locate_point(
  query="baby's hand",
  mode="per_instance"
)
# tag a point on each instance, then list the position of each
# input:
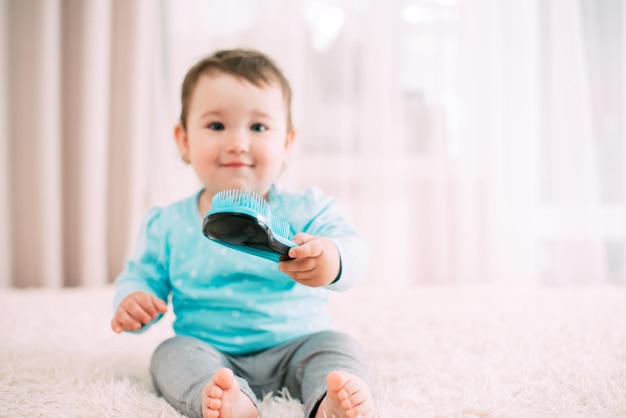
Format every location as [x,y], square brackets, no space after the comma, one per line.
[315,261]
[136,310]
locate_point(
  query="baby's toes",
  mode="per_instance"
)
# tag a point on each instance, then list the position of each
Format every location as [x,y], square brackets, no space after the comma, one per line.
[356,391]
[215,392]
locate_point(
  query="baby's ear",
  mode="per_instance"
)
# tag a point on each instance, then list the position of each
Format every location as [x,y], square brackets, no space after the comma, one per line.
[291,137]
[182,142]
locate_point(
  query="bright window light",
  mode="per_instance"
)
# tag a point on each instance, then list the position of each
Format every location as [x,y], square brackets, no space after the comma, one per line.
[416,14]
[325,21]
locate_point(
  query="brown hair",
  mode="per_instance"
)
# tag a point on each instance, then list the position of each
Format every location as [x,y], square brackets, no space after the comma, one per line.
[248,64]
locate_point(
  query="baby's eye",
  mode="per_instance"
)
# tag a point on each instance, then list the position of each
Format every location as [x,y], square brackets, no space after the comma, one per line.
[216,126]
[258,127]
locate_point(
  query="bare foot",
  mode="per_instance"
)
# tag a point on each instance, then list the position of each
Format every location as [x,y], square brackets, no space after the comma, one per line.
[222,398]
[347,396]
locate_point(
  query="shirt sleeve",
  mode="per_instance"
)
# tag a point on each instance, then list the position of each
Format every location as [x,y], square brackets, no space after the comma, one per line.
[353,249]
[146,269]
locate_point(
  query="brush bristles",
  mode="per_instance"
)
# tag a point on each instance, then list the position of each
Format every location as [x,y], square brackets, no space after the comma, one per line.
[228,199]
[280,227]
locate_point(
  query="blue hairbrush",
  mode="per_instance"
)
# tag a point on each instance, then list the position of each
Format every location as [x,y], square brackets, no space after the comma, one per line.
[242,220]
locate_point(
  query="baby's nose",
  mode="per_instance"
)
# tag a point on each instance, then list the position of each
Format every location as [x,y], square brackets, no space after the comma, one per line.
[238,142]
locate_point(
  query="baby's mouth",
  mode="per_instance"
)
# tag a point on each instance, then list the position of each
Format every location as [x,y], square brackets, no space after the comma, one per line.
[236,164]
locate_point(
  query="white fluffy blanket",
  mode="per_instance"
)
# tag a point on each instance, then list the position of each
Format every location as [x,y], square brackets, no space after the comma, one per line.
[434,352]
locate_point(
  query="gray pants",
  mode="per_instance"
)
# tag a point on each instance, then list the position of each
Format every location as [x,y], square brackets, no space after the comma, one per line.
[182,366]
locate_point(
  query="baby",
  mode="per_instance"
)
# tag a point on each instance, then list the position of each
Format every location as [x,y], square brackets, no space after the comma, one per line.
[245,326]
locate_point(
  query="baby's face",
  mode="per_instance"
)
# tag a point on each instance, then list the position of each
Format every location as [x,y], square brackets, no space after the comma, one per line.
[237,133]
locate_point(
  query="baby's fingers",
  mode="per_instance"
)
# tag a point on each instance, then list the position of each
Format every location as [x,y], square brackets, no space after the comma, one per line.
[116,326]
[160,306]
[146,307]
[154,306]
[124,321]
[136,310]
[308,248]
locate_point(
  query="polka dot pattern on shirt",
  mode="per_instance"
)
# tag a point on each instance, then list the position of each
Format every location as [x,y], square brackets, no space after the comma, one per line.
[237,302]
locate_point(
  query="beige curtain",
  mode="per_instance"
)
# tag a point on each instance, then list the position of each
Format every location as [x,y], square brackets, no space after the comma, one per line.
[75,121]
[471,141]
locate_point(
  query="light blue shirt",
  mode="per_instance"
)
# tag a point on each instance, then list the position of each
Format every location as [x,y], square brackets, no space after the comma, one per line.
[237,302]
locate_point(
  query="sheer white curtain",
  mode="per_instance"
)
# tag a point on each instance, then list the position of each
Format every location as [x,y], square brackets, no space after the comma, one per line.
[472,141]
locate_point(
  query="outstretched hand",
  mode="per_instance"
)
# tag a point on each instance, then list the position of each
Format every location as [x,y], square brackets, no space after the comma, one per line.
[136,310]
[315,261]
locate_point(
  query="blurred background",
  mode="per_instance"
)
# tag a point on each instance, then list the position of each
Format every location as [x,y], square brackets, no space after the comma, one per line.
[471,141]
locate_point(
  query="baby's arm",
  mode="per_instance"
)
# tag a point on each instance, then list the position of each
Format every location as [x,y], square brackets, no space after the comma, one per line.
[315,261]
[137,310]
